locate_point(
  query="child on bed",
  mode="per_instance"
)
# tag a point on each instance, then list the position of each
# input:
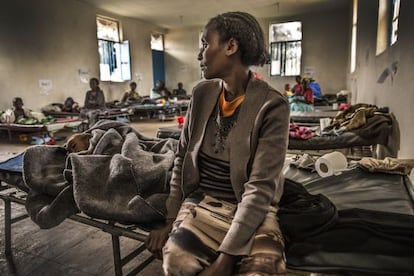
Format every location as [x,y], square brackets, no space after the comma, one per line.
[16,113]
[18,109]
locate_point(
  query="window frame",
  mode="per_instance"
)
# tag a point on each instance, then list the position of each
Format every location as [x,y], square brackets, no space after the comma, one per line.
[108,19]
[387,25]
[279,50]
[121,59]
[282,54]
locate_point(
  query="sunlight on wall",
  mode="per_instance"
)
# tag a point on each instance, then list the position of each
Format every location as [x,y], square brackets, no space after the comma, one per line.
[354,35]
[382,31]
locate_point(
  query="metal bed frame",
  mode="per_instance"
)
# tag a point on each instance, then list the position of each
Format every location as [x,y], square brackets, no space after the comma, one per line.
[11,194]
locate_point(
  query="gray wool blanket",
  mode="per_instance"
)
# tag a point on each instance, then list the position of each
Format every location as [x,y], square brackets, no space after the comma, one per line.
[122,177]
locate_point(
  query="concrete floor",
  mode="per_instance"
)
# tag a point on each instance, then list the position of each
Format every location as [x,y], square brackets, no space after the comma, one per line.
[71,248]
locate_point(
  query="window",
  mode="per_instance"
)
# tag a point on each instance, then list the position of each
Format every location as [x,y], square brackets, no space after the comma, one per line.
[387,31]
[395,16]
[285,48]
[354,35]
[114,56]
[108,29]
[157,42]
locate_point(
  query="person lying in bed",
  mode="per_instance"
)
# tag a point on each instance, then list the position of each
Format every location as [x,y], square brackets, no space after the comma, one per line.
[226,181]
[70,105]
[78,143]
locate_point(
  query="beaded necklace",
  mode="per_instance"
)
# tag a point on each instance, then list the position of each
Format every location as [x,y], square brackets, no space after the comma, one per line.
[226,118]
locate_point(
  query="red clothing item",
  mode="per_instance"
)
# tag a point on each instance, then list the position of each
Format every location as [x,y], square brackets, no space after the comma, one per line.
[308,95]
[297,89]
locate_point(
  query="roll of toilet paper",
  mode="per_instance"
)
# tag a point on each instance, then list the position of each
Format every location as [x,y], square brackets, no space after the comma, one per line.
[330,164]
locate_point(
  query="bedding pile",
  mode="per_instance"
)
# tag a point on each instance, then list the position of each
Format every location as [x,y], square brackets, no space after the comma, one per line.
[123,176]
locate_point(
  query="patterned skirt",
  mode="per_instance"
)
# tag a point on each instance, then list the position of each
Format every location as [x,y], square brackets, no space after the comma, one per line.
[201,226]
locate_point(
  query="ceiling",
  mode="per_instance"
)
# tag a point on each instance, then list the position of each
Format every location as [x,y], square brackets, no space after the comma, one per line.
[183,13]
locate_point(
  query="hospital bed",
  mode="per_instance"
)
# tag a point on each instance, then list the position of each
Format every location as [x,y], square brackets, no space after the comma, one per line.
[311,117]
[60,114]
[356,190]
[355,193]
[375,224]
[14,191]
[157,111]
[104,114]
[107,114]
[42,129]
[347,140]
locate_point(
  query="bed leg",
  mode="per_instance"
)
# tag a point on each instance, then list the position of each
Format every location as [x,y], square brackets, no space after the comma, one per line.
[117,255]
[7,227]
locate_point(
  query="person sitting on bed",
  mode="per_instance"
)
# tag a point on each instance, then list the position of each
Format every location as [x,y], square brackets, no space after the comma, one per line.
[297,88]
[288,91]
[94,102]
[316,88]
[18,114]
[307,91]
[226,182]
[160,91]
[179,92]
[95,98]
[131,96]
[302,99]
[19,111]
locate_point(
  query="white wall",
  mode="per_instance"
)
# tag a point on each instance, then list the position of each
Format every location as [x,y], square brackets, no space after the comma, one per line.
[181,64]
[396,91]
[325,48]
[46,39]
[52,40]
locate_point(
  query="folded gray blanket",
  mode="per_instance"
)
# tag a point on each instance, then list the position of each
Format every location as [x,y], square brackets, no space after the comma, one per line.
[123,177]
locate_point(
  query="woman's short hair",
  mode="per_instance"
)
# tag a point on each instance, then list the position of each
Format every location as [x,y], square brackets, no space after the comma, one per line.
[244,28]
[95,80]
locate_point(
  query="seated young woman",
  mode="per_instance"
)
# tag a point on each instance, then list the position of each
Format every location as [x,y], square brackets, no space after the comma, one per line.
[227,180]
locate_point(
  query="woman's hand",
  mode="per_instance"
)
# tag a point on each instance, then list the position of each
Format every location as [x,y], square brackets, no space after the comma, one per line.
[157,238]
[223,266]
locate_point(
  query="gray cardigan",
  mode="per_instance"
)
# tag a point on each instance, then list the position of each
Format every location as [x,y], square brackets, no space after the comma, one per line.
[257,153]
